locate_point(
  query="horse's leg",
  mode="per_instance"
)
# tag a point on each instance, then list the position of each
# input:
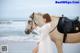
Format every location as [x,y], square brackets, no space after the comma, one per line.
[58,39]
[79,27]
[59,43]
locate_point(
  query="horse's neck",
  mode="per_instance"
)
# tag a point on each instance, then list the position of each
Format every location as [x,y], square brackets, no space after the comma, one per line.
[55,19]
[39,21]
[54,22]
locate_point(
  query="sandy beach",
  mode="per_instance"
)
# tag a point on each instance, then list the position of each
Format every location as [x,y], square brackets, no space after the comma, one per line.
[23,44]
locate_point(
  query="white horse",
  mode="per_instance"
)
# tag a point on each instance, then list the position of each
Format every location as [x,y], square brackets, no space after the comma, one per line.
[55,35]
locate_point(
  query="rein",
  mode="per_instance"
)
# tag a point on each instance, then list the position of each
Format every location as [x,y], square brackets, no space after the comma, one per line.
[53,29]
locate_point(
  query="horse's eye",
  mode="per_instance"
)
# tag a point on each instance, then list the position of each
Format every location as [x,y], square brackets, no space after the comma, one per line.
[29,21]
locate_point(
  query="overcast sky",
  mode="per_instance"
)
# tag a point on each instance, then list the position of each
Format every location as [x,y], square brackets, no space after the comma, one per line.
[21,9]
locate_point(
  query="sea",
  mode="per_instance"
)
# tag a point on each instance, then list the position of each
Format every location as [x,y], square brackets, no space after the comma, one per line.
[14,40]
[10,28]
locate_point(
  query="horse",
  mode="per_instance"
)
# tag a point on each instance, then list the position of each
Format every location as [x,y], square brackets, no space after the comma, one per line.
[56,36]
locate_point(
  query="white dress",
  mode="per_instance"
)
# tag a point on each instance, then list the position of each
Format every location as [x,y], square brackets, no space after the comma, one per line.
[44,40]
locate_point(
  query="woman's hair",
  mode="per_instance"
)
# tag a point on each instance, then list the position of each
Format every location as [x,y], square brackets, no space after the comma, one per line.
[47,17]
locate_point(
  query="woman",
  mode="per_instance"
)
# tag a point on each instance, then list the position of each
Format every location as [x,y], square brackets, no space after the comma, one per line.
[44,42]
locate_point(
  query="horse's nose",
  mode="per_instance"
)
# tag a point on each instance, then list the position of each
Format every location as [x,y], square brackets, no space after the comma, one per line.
[27,32]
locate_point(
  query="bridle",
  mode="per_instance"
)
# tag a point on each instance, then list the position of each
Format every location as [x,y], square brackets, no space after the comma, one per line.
[32,17]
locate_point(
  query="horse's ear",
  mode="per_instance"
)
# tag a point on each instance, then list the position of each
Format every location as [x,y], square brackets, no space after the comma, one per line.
[33,13]
[47,17]
[32,16]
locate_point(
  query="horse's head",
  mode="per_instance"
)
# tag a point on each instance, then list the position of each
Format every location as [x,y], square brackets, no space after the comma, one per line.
[37,19]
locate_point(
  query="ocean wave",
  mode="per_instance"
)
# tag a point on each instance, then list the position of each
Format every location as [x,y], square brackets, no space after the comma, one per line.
[19,38]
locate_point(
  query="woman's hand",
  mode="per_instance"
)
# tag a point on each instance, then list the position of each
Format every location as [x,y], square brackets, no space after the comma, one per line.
[35,50]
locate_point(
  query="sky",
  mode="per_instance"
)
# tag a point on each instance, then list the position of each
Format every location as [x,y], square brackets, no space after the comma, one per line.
[22,9]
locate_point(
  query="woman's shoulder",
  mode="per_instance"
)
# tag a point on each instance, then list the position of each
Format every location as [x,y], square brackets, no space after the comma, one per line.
[46,26]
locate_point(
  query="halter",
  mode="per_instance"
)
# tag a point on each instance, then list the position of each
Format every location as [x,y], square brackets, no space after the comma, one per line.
[34,21]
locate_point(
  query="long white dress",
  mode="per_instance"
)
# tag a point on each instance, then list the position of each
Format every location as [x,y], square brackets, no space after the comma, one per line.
[44,40]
